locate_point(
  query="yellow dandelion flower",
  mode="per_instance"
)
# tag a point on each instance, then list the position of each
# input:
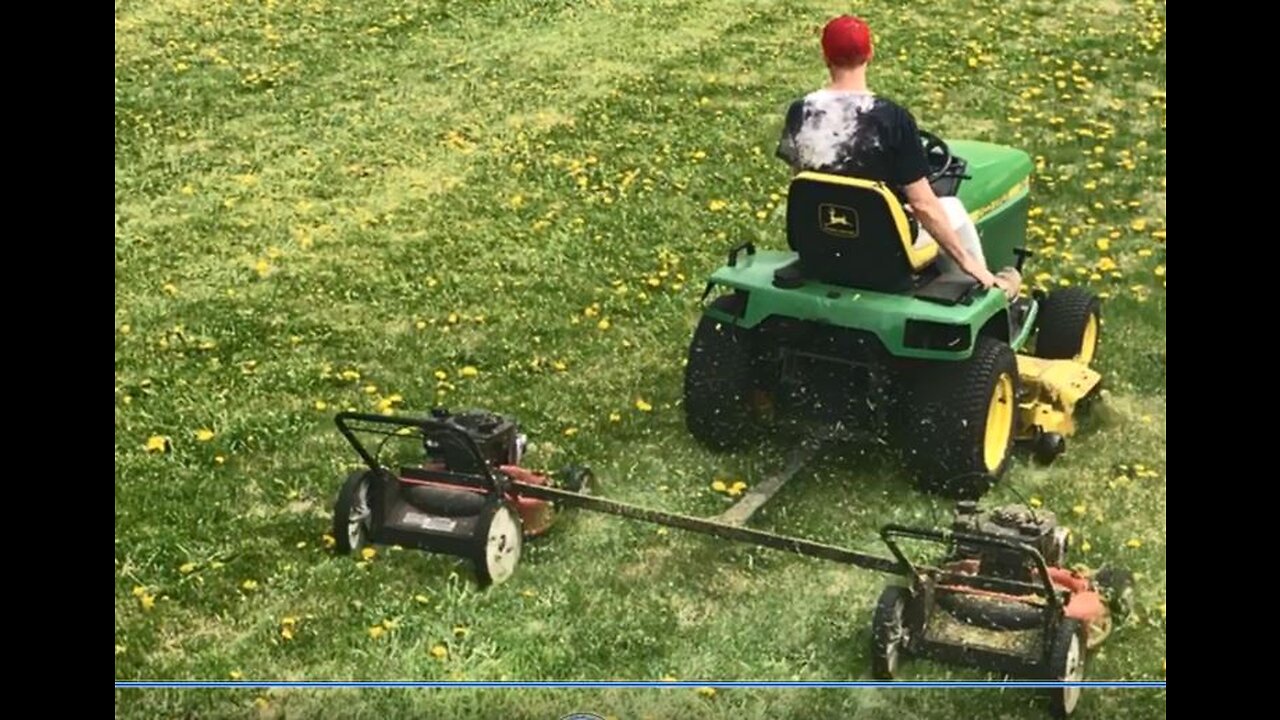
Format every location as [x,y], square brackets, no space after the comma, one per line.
[615,417]
[204,435]
[439,652]
[187,568]
[643,406]
[469,372]
[368,553]
[421,599]
[707,692]
[235,675]
[1134,543]
[249,585]
[321,405]
[377,631]
[328,541]
[157,444]
[717,205]
[1035,502]
[603,324]
[570,431]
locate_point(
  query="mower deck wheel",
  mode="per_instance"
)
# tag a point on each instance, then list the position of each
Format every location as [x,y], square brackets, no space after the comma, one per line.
[351,513]
[1066,663]
[500,541]
[889,632]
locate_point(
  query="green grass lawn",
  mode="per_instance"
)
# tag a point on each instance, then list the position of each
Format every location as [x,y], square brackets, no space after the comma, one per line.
[512,204]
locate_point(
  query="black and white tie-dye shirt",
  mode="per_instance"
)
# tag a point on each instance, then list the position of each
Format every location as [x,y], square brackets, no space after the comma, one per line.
[856,134]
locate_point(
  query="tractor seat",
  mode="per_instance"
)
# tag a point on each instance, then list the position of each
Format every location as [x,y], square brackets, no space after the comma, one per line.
[853,233]
[445,501]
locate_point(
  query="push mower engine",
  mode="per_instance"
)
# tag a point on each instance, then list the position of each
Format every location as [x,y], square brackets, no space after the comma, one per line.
[1016,524]
[497,438]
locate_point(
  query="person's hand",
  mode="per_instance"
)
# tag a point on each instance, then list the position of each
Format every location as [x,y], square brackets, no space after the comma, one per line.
[984,278]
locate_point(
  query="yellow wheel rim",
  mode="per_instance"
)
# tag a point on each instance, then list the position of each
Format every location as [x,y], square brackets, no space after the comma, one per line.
[1089,342]
[999,423]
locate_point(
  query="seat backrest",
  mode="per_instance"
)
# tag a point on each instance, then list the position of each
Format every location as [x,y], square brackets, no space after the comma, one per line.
[854,233]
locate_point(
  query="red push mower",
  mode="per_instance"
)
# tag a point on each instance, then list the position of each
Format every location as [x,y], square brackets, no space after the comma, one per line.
[997,599]
[459,501]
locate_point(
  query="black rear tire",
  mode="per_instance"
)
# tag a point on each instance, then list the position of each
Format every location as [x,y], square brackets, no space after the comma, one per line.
[718,384]
[952,408]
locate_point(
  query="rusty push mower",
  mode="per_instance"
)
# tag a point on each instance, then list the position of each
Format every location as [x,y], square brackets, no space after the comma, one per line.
[998,596]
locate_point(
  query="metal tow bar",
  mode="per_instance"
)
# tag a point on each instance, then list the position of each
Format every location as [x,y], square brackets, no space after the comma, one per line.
[711,527]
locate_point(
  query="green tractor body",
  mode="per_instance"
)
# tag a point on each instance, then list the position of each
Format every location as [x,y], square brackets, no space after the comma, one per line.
[856,327]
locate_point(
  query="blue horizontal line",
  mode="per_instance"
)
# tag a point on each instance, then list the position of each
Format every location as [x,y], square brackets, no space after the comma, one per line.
[1041,684]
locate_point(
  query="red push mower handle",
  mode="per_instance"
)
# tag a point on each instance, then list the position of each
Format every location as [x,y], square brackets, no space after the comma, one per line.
[350,424]
[1043,589]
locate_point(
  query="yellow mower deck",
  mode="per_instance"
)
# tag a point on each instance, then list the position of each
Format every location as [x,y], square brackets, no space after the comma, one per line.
[1052,388]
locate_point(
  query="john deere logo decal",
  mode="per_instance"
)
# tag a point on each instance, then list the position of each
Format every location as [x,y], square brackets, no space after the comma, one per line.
[838,220]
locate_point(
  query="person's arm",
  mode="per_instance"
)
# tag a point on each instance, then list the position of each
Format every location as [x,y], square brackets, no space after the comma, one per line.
[911,173]
[786,150]
[929,211]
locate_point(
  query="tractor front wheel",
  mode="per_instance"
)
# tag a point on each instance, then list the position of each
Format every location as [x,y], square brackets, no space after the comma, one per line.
[1069,325]
[718,385]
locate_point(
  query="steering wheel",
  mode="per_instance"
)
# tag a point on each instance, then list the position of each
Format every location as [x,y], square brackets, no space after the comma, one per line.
[938,155]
